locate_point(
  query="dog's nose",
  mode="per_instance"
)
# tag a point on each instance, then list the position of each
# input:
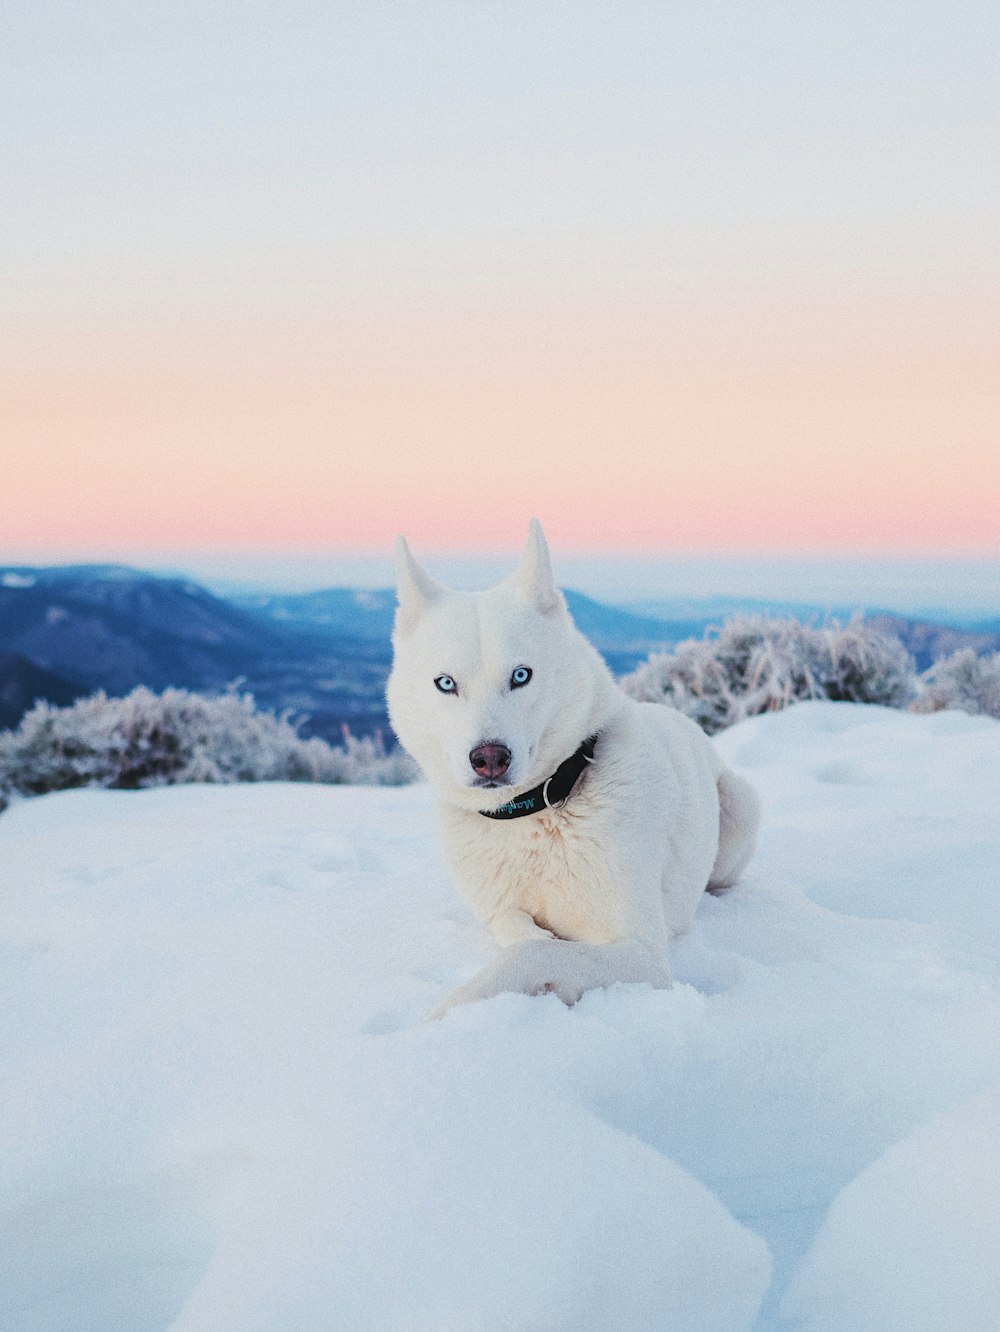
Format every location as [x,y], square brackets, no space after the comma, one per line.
[490,760]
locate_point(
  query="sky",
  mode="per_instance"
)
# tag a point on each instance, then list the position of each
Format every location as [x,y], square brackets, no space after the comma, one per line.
[714,281]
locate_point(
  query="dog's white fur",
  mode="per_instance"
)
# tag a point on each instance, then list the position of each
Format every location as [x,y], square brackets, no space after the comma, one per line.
[586,895]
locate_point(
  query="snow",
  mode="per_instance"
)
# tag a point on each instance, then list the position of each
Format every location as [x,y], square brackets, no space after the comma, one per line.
[914,1240]
[222,1110]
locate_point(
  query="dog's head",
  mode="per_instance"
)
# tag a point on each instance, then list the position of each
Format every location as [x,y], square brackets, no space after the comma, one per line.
[490,691]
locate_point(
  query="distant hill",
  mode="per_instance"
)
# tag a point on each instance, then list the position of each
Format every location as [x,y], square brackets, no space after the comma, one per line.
[359,613]
[716,610]
[22,684]
[323,656]
[991,627]
[367,615]
[928,642]
[616,627]
[111,628]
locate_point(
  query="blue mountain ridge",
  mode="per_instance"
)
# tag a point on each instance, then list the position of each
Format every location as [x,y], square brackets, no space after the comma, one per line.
[322,656]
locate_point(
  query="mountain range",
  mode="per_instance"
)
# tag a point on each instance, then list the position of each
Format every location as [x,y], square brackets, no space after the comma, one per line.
[322,656]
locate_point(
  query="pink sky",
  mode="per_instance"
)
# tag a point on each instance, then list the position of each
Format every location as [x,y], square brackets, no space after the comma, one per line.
[686,277]
[818,433]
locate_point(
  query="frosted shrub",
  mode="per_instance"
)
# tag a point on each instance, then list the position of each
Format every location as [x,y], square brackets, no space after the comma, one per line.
[148,739]
[756,664]
[963,681]
[363,761]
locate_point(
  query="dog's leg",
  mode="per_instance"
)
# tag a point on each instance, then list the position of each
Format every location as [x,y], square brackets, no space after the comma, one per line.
[562,967]
[739,817]
[513,926]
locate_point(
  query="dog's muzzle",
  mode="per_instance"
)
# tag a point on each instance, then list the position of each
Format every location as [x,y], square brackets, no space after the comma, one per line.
[490,761]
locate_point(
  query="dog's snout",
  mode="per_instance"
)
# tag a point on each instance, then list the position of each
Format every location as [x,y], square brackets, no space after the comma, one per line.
[490,760]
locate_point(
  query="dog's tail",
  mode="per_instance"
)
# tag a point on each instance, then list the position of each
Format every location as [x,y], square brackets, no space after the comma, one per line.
[739,819]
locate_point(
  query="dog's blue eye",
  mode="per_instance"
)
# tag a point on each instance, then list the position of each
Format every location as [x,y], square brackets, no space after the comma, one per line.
[521,676]
[446,684]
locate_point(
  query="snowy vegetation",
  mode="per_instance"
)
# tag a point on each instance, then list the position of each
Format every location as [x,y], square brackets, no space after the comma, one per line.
[148,739]
[963,681]
[755,664]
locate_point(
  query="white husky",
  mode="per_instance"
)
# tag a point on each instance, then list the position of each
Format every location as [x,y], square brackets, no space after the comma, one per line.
[583,827]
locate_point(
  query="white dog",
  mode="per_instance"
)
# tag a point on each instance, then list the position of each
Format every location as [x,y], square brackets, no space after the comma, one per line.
[583,827]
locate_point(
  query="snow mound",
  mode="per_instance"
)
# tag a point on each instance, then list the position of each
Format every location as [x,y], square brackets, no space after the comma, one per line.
[913,1244]
[474,1196]
[221,1109]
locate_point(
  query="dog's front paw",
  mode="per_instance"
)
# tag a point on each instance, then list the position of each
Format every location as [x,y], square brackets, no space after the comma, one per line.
[569,991]
[486,985]
[534,966]
[564,968]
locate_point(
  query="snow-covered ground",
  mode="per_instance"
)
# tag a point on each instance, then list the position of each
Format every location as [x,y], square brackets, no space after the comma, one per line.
[221,1109]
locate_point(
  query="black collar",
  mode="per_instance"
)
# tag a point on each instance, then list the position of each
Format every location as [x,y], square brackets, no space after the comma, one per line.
[553,792]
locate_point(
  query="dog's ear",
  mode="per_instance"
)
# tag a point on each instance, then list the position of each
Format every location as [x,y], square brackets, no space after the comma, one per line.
[533,576]
[415,588]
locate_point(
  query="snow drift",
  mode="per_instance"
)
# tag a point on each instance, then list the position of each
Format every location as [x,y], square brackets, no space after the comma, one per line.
[221,1108]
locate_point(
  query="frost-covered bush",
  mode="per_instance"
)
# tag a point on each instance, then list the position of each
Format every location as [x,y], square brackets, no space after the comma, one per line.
[963,681]
[757,664]
[147,739]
